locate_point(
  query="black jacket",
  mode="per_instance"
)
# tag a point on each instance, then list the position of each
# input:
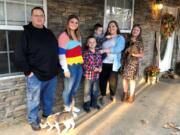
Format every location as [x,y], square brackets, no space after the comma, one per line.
[37,52]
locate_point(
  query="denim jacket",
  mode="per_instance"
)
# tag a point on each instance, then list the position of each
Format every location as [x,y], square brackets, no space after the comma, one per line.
[117,49]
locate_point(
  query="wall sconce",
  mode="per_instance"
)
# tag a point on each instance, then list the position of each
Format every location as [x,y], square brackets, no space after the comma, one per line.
[157,6]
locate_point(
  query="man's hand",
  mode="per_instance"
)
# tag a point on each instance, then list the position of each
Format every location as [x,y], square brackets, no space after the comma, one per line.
[31,74]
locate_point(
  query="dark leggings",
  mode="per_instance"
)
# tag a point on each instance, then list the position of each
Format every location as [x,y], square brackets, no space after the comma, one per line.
[108,75]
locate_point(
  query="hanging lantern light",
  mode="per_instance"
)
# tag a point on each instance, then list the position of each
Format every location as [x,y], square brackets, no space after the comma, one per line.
[159,4]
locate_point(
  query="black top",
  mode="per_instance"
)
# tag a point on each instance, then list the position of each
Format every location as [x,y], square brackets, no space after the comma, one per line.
[37,52]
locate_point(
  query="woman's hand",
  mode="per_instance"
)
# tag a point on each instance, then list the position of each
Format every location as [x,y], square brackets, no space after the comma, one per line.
[127,50]
[134,55]
[107,50]
[67,74]
[108,36]
[139,55]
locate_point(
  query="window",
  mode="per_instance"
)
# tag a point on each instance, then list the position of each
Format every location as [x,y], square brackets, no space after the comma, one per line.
[7,45]
[13,15]
[121,11]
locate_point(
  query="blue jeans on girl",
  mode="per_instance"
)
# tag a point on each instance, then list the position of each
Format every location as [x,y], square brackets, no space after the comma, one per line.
[71,84]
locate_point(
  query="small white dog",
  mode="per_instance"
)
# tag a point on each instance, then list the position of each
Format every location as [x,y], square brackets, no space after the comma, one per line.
[54,120]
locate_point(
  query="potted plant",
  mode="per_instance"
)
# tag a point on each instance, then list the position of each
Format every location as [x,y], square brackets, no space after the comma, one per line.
[152,73]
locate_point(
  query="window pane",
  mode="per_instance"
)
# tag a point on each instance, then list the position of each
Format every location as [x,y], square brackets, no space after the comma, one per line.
[28,11]
[14,38]
[12,62]
[4,64]
[15,14]
[121,11]
[127,14]
[2,19]
[3,41]
[17,0]
[35,1]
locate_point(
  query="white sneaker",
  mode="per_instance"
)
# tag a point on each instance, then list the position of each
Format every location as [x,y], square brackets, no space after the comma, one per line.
[76,110]
[67,108]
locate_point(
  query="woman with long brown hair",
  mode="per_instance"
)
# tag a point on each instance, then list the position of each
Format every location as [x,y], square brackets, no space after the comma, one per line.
[133,53]
[113,47]
[71,60]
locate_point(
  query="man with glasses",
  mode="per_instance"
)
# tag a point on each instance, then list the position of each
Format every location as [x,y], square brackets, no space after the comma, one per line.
[37,57]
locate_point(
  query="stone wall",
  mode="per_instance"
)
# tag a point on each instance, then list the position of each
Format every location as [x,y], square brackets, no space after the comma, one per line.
[12,100]
[90,12]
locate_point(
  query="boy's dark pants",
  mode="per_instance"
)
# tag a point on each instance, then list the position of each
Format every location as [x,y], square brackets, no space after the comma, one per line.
[91,93]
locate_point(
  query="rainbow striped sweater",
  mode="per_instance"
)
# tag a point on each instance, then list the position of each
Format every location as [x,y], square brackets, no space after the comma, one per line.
[69,51]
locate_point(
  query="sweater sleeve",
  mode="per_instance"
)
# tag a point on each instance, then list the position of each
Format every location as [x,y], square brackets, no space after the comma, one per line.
[119,47]
[62,41]
[21,53]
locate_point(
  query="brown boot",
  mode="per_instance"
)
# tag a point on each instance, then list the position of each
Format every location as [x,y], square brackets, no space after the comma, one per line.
[131,98]
[124,96]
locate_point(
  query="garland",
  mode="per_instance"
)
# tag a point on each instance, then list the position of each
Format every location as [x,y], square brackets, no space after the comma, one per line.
[168,24]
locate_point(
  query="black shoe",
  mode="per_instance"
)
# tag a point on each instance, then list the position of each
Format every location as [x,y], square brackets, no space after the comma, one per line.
[97,107]
[112,98]
[44,116]
[35,126]
[86,107]
[103,100]
[87,110]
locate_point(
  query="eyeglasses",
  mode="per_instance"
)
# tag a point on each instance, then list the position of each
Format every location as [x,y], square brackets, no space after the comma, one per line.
[40,16]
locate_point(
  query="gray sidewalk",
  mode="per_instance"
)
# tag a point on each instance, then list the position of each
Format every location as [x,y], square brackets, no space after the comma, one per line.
[156,106]
[153,108]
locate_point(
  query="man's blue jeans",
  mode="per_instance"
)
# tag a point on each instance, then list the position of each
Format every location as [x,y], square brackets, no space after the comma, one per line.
[91,91]
[71,84]
[40,93]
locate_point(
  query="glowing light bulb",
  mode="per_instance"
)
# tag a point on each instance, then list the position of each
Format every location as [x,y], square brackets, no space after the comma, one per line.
[160,6]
